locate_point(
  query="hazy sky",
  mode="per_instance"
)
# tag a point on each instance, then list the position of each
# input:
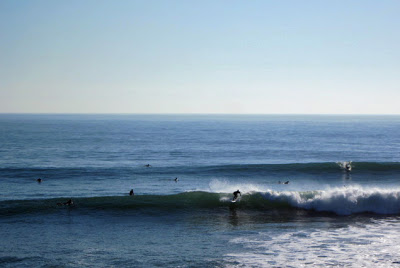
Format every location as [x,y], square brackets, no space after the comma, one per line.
[335,57]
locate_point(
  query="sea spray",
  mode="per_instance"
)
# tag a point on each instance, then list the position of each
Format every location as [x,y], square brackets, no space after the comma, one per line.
[342,201]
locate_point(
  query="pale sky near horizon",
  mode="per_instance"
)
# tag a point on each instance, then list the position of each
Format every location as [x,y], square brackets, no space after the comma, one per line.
[262,57]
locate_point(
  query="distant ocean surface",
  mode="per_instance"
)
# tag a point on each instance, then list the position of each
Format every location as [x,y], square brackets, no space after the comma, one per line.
[324,216]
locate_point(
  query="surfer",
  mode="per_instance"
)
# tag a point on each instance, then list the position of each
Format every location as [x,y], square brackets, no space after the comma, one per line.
[235,195]
[348,167]
[39,180]
[148,165]
[176,180]
[131,192]
[68,203]
[286,182]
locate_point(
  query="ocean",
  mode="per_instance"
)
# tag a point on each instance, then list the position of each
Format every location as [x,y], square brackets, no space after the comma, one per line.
[299,206]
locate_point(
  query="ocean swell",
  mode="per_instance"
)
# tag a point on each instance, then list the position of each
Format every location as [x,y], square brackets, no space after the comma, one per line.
[341,201]
[236,169]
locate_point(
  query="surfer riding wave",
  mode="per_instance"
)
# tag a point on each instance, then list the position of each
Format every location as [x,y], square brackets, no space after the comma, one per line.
[235,195]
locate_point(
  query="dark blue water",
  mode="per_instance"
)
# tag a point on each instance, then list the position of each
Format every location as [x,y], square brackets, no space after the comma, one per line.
[95,160]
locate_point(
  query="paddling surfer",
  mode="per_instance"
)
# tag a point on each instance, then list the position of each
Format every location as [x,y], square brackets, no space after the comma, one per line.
[68,203]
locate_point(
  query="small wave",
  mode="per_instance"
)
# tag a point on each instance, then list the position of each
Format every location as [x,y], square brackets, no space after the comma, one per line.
[307,167]
[238,169]
[342,201]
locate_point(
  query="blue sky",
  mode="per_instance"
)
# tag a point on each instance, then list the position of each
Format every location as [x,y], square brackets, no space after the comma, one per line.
[263,57]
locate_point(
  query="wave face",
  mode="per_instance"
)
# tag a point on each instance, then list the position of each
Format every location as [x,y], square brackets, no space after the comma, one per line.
[341,201]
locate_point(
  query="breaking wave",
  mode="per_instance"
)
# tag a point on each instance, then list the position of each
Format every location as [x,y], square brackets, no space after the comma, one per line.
[341,201]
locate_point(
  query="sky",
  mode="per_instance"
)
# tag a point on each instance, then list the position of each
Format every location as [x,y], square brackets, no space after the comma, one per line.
[223,57]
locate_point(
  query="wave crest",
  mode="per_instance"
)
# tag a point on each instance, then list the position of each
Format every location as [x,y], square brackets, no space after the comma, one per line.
[342,201]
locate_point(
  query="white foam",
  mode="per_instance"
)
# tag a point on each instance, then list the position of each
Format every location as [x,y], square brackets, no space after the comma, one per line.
[225,199]
[343,201]
[371,245]
[344,164]
[340,200]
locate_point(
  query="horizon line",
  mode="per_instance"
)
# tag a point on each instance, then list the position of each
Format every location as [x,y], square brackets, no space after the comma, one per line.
[240,114]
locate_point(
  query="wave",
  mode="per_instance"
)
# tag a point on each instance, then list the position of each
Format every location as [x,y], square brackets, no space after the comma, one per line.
[315,167]
[341,201]
[248,169]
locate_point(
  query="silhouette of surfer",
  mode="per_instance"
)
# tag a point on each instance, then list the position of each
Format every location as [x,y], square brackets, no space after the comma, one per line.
[131,192]
[148,165]
[39,180]
[68,203]
[286,182]
[176,180]
[235,195]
